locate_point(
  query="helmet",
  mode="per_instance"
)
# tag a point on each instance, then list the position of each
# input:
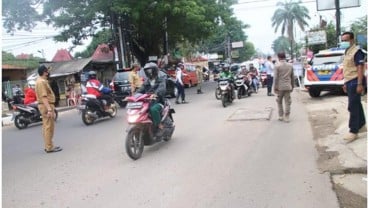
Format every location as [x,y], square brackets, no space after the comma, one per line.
[92,75]
[225,67]
[151,70]
[32,84]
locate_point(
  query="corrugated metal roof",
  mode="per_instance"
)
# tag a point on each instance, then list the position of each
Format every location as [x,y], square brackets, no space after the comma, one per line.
[66,67]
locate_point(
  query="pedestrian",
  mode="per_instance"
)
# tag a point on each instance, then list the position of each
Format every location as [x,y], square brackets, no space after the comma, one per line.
[269,69]
[283,86]
[46,106]
[353,66]
[199,72]
[180,84]
[134,79]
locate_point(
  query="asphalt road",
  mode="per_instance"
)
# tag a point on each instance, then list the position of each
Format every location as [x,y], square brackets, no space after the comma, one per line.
[239,156]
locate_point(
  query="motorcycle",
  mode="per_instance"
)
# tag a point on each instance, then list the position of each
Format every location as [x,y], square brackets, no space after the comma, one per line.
[263,79]
[255,83]
[141,130]
[92,109]
[23,115]
[225,89]
[241,86]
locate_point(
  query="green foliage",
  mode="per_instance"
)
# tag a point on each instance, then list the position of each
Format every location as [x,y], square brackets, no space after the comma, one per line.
[31,63]
[142,22]
[103,36]
[360,27]
[287,15]
[281,44]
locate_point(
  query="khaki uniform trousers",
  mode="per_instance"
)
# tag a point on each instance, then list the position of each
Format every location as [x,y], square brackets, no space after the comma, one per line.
[284,95]
[48,125]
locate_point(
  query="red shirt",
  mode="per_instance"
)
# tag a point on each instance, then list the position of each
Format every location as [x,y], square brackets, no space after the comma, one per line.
[94,87]
[30,96]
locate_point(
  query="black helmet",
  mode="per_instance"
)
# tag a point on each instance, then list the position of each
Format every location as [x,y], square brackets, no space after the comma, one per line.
[151,70]
[92,75]
[225,67]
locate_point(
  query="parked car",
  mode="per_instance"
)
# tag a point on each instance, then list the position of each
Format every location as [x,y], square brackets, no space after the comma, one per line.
[325,72]
[190,76]
[120,86]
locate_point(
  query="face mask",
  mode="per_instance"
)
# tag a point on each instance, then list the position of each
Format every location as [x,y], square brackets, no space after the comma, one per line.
[344,45]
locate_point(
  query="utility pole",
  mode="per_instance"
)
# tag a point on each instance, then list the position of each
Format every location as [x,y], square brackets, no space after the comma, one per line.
[338,14]
[166,42]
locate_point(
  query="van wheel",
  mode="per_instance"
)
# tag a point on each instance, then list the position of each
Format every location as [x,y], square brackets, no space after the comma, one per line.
[314,92]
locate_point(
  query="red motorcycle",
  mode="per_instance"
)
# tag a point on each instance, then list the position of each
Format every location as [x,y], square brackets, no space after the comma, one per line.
[141,130]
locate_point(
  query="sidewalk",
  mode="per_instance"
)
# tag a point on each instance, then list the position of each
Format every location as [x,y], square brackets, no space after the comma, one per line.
[346,162]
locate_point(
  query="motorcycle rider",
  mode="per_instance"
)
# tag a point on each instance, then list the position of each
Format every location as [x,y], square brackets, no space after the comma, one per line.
[157,86]
[225,73]
[30,94]
[30,97]
[95,87]
[254,75]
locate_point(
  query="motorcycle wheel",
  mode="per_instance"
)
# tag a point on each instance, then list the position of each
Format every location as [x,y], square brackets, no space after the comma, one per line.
[19,122]
[223,100]
[87,119]
[240,92]
[218,93]
[114,111]
[168,122]
[134,143]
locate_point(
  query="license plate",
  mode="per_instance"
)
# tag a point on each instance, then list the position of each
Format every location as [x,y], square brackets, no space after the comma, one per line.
[81,107]
[223,83]
[132,105]
[324,72]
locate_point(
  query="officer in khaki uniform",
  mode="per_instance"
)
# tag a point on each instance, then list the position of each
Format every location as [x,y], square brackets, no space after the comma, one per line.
[46,106]
[134,79]
[353,66]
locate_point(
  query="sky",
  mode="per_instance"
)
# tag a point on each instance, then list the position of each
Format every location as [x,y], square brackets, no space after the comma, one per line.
[256,13]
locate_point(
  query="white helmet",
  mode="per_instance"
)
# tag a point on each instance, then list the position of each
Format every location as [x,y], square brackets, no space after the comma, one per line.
[32,83]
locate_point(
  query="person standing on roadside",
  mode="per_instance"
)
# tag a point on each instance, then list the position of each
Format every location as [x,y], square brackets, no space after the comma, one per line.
[353,66]
[269,69]
[199,72]
[46,106]
[134,79]
[283,86]
[180,84]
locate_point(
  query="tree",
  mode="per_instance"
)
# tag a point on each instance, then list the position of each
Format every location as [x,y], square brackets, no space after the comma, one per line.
[103,36]
[31,63]
[359,27]
[287,15]
[142,23]
[281,44]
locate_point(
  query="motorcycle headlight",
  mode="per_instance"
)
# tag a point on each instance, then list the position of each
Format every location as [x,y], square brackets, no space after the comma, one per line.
[133,118]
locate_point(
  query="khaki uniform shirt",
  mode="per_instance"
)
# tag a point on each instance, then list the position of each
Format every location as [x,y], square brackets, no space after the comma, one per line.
[284,76]
[134,79]
[199,72]
[349,69]
[43,89]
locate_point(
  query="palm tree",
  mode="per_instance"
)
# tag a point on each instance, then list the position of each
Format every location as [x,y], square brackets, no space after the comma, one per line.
[286,15]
